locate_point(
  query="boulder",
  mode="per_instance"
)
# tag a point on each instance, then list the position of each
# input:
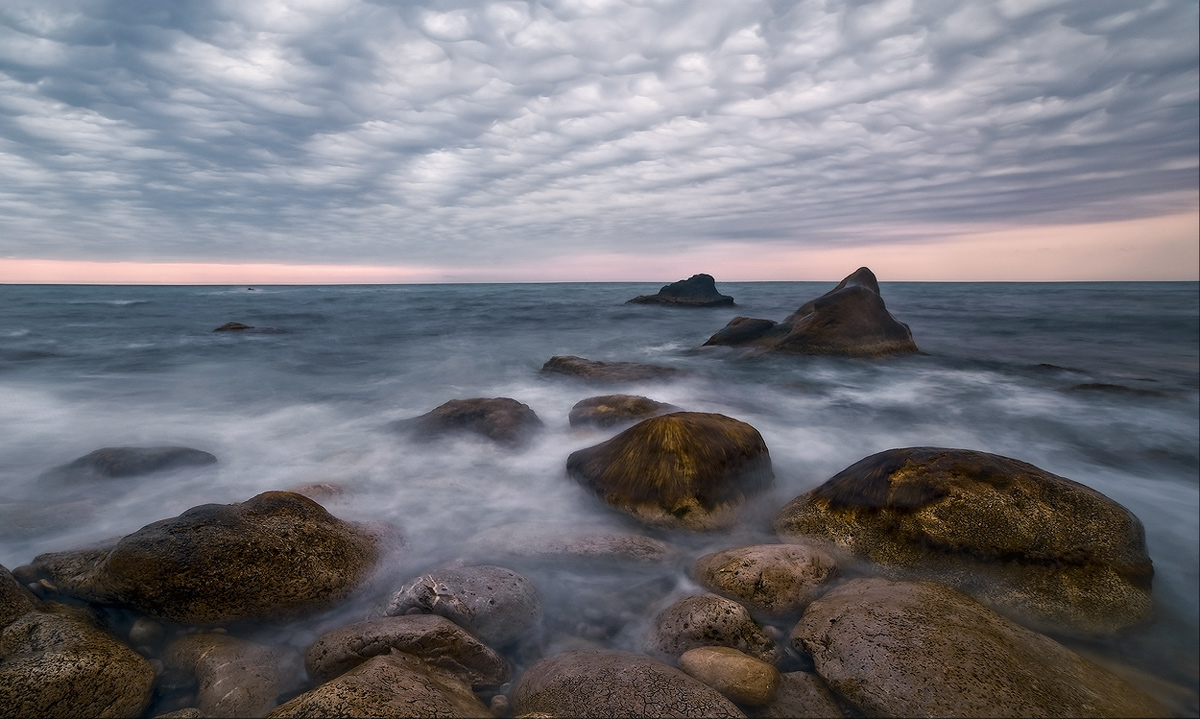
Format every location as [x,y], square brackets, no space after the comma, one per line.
[117,462]
[429,637]
[606,683]
[233,327]
[15,599]
[849,320]
[235,677]
[771,580]
[742,678]
[613,409]
[278,555]
[56,662]
[1016,537]
[922,649]
[696,291]
[495,604]
[801,695]
[706,620]
[388,685]
[686,469]
[503,420]
[607,372]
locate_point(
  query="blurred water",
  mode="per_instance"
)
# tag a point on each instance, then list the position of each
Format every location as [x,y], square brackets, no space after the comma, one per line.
[308,401]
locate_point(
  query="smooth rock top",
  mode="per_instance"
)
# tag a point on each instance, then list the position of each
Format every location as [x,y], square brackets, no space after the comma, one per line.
[275,556]
[739,676]
[850,320]
[1007,532]
[496,604]
[685,469]
[500,419]
[774,580]
[921,649]
[117,462]
[606,372]
[613,409]
[696,291]
[605,683]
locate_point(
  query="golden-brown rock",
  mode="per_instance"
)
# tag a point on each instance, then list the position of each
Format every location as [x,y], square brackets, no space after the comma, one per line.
[739,676]
[772,580]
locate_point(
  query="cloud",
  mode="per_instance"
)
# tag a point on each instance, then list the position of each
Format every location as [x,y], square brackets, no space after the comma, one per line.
[472,133]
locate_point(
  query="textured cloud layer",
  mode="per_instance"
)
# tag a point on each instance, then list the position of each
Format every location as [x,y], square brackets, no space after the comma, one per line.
[472,132]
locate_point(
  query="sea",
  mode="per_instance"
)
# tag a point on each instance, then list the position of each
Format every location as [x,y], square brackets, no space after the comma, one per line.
[1096,382]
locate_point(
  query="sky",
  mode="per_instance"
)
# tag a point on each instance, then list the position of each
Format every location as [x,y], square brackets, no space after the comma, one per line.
[311,141]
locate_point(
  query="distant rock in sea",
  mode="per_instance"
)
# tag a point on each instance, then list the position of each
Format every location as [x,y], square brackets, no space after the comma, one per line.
[503,420]
[117,462]
[233,326]
[696,291]
[606,372]
[849,320]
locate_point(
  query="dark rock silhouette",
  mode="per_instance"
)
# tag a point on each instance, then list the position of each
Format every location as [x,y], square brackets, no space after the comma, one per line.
[696,291]
[233,327]
[850,320]
[606,372]
[503,420]
[117,462]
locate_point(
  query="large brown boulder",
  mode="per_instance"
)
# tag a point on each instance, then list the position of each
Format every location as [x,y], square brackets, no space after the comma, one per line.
[696,291]
[1014,536]
[606,372]
[605,683]
[235,677]
[685,469]
[922,649]
[388,685]
[275,556]
[494,603]
[771,580]
[117,462]
[613,409]
[850,320]
[503,420]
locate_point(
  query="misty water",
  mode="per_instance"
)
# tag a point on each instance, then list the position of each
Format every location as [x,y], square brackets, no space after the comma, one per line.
[1097,382]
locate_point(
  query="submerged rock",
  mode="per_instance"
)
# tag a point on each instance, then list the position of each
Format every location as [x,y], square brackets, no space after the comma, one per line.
[236,677]
[500,419]
[275,556]
[706,620]
[1014,536]
[613,409]
[851,320]
[496,604]
[118,462]
[568,544]
[605,683]
[921,649]
[696,291]
[607,372]
[773,580]
[686,469]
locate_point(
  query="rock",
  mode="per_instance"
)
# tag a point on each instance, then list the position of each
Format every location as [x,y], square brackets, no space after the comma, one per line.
[15,599]
[851,320]
[772,580]
[429,637]
[503,420]
[686,469]
[605,683]
[568,544]
[493,603]
[740,677]
[801,695]
[613,409]
[55,661]
[1016,537]
[233,327]
[276,556]
[607,372]
[236,677]
[388,685]
[921,649]
[695,291]
[117,462]
[706,620]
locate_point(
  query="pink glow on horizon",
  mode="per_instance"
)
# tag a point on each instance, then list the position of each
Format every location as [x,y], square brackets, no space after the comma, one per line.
[1159,248]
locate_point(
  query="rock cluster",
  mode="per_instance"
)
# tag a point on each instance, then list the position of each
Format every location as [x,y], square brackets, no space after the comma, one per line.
[696,291]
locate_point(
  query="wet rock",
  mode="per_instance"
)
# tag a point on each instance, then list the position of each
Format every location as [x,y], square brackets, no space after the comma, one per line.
[493,603]
[55,661]
[613,409]
[15,599]
[696,291]
[706,620]
[503,420]
[801,695]
[772,580]
[233,327]
[850,320]
[1014,536]
[278,555]
[236,677]
[687,469]
[388,685]
[118,462]
[568,544]
[429,637]
[742,678]
[921,649]
[605,683]
[606,372]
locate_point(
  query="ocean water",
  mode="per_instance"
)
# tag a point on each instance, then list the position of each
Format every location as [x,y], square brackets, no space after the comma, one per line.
[1097,382]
